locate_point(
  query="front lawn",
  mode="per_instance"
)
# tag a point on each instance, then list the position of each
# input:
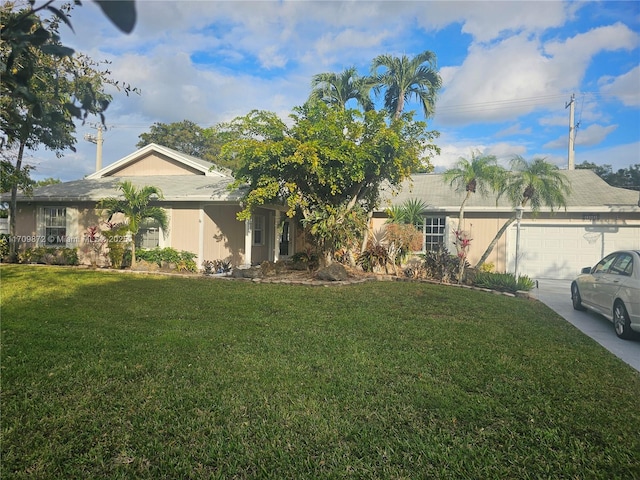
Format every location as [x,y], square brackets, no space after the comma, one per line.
[112,375]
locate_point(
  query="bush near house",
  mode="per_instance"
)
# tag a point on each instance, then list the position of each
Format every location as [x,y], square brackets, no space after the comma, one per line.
[504,282]
[211,267]
[167,257]
[49,255]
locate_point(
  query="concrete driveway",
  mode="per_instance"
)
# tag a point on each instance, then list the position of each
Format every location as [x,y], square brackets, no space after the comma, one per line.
[556,294]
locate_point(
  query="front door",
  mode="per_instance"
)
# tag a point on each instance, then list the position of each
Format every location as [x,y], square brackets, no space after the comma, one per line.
[285,240]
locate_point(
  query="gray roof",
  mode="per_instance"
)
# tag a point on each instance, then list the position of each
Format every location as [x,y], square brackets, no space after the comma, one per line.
[588,192]
[198,188]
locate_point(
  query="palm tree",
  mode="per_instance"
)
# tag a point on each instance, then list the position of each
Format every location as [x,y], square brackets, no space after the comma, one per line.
[135,207]
[537,184]
[406,77]
[482,174]
[338,88]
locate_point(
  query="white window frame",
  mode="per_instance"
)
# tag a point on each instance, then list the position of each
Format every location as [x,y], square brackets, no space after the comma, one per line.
[427,231]
[257,230]
[47,229]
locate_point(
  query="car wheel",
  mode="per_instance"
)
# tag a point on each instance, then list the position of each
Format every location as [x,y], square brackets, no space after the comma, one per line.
[621,321]
[575,297]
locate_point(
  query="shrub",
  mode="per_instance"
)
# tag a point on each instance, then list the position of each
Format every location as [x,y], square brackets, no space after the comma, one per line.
[487,267]
[4,245]
[401,239]
[373,258]
[307,259]
[504,282]
[216,266]
[117,243]
[440,265]
[50,255]
[183,260]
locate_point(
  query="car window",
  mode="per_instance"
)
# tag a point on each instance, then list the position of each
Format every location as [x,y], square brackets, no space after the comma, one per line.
[603,265]
[623,265]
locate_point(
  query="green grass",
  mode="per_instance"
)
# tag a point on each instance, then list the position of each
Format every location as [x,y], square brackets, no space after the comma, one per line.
[108,375]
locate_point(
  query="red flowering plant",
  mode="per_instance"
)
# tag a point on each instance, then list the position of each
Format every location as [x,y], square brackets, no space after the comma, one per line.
[462,243]
[96,241]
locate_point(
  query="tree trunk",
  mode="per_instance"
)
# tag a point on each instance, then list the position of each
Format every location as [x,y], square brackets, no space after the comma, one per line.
[399,107]
[13,207]
[493,243]
[133,251]
[461,214]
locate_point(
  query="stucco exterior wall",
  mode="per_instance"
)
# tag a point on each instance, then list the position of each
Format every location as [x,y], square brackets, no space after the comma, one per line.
[155,164]
[483,226]
[183,228]
[223,235]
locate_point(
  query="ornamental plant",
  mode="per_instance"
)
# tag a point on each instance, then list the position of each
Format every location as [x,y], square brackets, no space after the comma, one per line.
[462,243]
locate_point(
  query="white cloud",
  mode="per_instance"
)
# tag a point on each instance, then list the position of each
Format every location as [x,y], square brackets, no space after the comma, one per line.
[515,129]
[618,156]
[589,136]
[626,87]
[497,82]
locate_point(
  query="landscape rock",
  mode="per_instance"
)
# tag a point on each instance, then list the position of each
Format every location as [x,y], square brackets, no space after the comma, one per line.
[333,273]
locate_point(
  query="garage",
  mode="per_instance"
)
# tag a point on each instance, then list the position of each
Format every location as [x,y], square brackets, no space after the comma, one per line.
[561,251]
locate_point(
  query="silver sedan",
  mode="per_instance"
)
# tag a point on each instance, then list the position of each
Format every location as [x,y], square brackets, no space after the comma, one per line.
[612,289]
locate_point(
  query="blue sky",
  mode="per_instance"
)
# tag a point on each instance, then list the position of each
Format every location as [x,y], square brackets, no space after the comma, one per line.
[508,68]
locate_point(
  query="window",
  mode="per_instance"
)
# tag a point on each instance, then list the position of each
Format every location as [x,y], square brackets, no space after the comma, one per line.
[623,265]
[433,230]
[604,264]
[258,230]
[55,226]
[149,234]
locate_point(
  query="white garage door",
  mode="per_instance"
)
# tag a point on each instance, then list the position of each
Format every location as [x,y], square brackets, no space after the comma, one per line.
[561,251]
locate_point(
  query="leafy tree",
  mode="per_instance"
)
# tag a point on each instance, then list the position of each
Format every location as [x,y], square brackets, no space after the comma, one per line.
[26,38]
[135,206]
[188,137]
[184,136]
[480,174]
[44,86]
[47,181]
[624,177]
[404,78]
[338,88]
[11,178]
[328,162]
[537,184]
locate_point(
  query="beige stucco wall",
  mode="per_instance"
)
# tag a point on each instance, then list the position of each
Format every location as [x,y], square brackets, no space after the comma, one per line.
[155,164]
[223,235]
[483,226]
[183,228]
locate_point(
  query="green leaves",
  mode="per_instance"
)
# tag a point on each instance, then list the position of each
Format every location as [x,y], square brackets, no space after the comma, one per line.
[122,13]
[329,163]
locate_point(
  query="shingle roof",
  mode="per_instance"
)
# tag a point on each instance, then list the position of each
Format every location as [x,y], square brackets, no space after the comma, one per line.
[588,191]
[197,188]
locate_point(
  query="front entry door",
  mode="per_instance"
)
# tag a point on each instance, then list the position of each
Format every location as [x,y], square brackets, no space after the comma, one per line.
[285,239]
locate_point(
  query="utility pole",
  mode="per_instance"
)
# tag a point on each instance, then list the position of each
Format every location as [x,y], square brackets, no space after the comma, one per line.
[572,131]
[98,141]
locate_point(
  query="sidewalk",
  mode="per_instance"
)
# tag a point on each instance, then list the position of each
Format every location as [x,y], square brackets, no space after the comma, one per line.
[556,295]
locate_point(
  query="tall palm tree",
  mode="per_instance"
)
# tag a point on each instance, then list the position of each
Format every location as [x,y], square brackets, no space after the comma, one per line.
[480,174]
[135,207]
[406,77]
[338,88]
[538,184]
